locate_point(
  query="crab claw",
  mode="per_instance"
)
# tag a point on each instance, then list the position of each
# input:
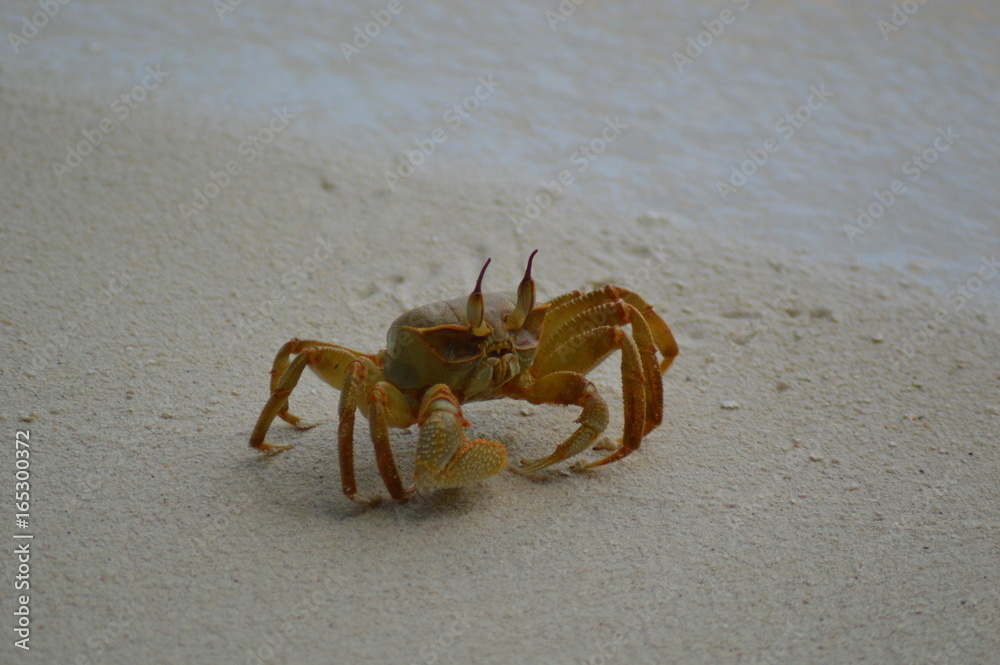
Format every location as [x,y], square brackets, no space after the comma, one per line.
[525,299]
[476,308]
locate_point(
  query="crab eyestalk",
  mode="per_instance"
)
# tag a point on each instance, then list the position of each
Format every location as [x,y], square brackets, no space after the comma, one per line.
[525,299]
[476,309]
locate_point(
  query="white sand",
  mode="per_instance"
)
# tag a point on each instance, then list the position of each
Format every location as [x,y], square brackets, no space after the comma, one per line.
[844,511]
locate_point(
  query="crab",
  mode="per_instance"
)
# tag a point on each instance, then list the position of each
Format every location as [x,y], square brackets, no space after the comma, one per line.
[487,346]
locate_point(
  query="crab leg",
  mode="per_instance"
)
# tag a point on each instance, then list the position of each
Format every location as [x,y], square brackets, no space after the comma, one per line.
[355,379]
[662,336]
[445,456]
[567,307]
[387,406]
[570,350]
[328,361]
[568,388]
[562,382]
[634,395]
[277,403]
[556,302]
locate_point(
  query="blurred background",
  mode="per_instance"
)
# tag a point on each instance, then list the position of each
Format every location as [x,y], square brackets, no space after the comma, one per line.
[720,123]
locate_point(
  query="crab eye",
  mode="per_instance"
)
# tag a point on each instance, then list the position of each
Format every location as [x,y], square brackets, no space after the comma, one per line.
[525,299]
[476,308]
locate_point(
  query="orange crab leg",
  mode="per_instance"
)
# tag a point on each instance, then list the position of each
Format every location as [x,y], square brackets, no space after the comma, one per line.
[277,404]
[568,388]
[354,383]
[329,361]
[571,305]
[568,349]
[380,411]
[662,336]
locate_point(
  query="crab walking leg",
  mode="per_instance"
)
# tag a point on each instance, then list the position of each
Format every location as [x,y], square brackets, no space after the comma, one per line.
[633,398]
[652,376]
[277,403]
[387,406]
[445,456]
[662,336]
[569,388]
[559,301]
[563,308]
[327,360]
[620,313]
[354,387]
[583,350]
[570,308]
[566,308]
[596,344]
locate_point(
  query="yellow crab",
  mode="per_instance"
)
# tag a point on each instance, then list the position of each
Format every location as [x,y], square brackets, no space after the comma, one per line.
[487,346]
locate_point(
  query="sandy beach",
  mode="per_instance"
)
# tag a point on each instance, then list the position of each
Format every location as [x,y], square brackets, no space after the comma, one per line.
[825,486]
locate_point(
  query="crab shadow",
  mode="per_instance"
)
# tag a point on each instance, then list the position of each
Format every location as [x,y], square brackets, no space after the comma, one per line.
[309,483]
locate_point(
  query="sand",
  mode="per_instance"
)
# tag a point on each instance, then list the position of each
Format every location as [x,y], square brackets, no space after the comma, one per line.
[824,488]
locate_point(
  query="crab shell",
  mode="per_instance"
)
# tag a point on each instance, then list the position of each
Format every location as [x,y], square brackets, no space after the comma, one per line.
[435,344]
